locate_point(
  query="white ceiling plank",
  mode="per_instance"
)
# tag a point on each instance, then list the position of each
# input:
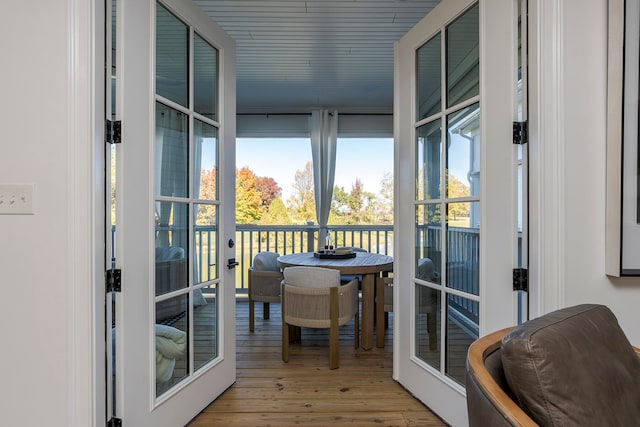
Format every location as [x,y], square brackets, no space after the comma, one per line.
[294,56]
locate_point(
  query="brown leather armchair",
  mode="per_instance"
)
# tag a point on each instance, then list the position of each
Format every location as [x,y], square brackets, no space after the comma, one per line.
[573,366]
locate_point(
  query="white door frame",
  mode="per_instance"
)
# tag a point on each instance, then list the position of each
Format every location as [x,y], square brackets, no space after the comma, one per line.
[85,389]
[136,402]
[546,157]
[498,230]
[85,180]
[136,106]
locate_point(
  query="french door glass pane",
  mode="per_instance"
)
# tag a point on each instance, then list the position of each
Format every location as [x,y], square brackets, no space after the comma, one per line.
[463,152]
[429,246]
[461,332]
[205,80]
[463,248]
[171,247]
[206,161]
[521,160]
[186,179]
[521,115]
[463,57]
[172,64]
[428,79]
[427,325]
[205,337]
[171,152]
[428,155]
[114,49]
[171,342]
[206,243]
[447,196]
[111,321]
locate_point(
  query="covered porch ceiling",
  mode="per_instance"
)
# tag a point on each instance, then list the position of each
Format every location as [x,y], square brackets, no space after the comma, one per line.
[294,56]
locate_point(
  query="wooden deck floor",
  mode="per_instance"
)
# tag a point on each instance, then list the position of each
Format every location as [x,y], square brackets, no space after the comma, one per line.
[269,392]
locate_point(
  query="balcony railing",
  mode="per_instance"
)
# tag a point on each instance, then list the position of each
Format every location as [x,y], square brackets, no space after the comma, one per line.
[463,263]
[462,250]
[287,239]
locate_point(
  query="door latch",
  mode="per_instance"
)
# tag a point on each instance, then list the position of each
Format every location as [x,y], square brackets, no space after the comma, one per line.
[231,263]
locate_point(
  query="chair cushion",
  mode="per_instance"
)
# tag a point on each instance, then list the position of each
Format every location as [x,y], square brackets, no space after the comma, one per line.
[311,277]
[425,269]
[166,253]
[266,261]
[574,366]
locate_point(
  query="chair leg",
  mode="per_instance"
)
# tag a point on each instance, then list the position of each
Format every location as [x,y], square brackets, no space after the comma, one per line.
[295,334]
[285,342]
[265,310]
[251,315]
[431,323]
[285,328]
[431,328]
[356,331]
[380,315]
[334,342]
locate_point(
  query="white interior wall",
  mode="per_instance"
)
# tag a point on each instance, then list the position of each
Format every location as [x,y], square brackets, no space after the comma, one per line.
[33,254]
[47,361]
[580,149]
[37,290]
[585,74]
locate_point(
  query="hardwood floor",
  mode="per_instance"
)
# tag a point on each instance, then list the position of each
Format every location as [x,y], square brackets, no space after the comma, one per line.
[269,392]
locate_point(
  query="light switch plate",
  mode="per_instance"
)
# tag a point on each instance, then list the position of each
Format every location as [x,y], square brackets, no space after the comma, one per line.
[16,199]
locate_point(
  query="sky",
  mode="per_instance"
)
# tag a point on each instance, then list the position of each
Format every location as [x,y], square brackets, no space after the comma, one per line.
[366,159]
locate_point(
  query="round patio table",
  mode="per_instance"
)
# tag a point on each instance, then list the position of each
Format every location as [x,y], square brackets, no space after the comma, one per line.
[366,264]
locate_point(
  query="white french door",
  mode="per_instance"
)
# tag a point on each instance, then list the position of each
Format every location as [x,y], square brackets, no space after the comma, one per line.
[457,184]
[174,319]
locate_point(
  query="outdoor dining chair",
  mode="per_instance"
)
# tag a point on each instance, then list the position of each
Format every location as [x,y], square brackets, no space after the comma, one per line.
[264,283]
[312,297]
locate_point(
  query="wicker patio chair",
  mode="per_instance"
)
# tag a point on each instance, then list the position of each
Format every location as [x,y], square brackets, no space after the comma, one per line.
[312,297]
[264,283]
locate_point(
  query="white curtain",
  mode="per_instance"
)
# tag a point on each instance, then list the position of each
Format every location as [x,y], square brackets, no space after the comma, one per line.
[323,126]
[171,157]
[197,168]
[161,216]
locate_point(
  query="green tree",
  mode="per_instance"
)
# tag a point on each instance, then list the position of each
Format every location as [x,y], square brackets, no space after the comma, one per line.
[276,214]
[208,190]
[301,203]
[248,197]
[384,206]
[339,206]
[456,188]
[356,207]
